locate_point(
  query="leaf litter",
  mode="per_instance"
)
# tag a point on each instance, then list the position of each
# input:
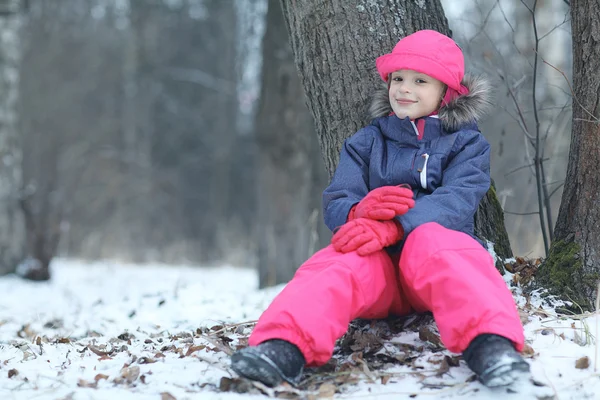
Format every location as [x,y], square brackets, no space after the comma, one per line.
[179,346]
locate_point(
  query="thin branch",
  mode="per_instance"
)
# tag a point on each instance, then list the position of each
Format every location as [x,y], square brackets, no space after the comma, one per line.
[556,189]
[514,41]
[565,20]
[506,18]
[547,134]
[543,200]
[520,168]
[529,213]
[527,7]
[595,120]
[555,182]
[521,120]
[481,26]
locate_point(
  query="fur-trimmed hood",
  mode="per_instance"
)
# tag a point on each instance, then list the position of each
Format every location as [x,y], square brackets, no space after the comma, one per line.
[460,111]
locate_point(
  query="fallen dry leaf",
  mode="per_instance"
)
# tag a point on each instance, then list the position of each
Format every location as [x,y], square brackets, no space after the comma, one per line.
[193,349]
[98,351]
[528,350]
[167,396]
[13,372]
[129,374]
[100,376]
[444,367]
[582,363]
[327,391]
[428,334]
[85,384]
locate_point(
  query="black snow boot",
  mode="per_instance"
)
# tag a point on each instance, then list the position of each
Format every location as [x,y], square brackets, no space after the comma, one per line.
[495,361]
[271,362]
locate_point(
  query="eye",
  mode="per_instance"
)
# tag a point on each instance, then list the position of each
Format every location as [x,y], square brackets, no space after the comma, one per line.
[419,80]
[397,79]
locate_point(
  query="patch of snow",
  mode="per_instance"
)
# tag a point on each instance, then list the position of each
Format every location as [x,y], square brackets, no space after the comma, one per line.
[146,319]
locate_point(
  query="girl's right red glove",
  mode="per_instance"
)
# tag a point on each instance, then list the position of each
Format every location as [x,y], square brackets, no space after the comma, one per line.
[366,236]
[384,203]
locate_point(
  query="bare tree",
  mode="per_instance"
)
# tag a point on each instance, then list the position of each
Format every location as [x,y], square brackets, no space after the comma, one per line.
[289,207]
[12,232]
[335,44]
[66,120]
[572,268]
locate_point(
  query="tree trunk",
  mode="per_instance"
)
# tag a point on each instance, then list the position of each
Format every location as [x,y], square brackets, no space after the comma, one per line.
[12,228]
[335,45]
[289,216]
[572,269]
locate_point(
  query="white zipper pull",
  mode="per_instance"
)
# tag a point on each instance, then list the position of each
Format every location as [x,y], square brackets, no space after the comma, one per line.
[423,171]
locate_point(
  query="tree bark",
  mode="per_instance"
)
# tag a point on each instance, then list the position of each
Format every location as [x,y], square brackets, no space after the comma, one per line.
[12,228]
[291,176]
[572,269]
[335,44]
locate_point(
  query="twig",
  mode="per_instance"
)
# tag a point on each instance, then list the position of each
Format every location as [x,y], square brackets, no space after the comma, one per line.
[222,347]
[529,213]
[565,20]
[518,169]
[229,326]
[595,119]
[543,200]
[556,189]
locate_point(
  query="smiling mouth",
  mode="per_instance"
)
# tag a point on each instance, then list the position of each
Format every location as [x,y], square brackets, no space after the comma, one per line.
[404,101]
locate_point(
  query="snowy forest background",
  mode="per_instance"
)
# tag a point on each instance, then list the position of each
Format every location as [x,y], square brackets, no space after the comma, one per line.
[140,123]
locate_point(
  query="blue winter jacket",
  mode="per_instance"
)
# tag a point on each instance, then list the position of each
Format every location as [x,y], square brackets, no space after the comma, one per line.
[447,165]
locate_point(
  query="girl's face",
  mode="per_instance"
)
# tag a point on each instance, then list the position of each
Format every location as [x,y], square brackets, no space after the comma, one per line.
[414,94]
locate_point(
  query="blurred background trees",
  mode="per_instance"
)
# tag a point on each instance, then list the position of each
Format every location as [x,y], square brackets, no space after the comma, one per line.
[148,134]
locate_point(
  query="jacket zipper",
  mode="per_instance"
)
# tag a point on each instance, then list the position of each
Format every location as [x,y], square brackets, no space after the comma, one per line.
[423,171]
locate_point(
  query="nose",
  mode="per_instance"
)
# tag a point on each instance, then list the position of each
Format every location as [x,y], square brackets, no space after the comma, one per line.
[404,87]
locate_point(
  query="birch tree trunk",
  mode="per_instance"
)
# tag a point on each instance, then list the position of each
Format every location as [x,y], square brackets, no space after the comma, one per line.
[572,269]
[335,44]
[12,228]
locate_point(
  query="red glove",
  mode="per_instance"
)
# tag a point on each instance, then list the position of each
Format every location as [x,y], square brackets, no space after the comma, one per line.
[366,236]
[383,203]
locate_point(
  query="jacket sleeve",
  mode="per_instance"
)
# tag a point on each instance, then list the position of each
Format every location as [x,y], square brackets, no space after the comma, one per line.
[465,181]
[350,182]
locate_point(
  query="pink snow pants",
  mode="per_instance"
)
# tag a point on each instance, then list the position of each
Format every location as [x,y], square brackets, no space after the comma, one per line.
[440,270]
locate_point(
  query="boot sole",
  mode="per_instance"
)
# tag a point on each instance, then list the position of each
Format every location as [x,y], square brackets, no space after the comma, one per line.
[256,367]
[504,375]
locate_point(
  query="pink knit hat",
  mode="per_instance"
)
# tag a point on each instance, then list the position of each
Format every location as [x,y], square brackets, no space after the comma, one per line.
[431,53]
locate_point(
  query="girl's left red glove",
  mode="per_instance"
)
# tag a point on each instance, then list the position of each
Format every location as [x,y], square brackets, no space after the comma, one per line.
[366,236]
[384,203]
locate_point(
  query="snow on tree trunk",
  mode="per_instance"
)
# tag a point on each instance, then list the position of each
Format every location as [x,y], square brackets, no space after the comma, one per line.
[335,44]
[572,268]
[12,232]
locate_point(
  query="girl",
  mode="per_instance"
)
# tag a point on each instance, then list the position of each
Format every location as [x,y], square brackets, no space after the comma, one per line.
[424,144]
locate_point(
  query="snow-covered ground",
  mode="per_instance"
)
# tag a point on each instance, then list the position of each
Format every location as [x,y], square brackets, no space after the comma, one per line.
[109,331]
